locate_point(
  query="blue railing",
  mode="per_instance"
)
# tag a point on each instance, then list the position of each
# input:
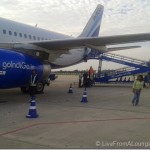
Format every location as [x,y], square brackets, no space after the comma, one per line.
[136,66]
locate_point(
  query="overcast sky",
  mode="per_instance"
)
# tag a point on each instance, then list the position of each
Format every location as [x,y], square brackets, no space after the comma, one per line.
[70,17]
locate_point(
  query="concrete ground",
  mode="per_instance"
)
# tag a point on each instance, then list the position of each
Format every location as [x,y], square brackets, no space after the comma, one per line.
[108,120]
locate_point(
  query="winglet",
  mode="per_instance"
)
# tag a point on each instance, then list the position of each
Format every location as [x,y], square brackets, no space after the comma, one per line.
[93,26]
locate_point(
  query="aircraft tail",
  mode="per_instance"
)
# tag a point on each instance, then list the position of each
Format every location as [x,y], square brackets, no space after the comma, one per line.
[93,26]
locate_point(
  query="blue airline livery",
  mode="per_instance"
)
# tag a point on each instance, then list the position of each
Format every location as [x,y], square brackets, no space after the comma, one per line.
[24,47]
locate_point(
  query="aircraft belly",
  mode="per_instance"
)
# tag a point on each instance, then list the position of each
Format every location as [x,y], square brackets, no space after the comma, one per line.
[70,58]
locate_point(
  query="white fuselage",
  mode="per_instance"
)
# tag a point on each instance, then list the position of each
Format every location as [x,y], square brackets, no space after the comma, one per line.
[11,31]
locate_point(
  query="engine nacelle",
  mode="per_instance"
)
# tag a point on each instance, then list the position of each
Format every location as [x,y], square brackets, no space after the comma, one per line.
[46,71]
[15,68]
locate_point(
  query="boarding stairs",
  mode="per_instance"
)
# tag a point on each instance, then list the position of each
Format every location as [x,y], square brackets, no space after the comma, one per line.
[119,73]
[135,66]
[124,60]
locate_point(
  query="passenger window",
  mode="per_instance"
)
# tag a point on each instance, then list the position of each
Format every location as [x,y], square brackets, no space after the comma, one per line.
[25,36]
[20,34]
[39,38]
[42,38]
[15,33]
[10,33]
[4,31]
[34,37]
[30,37]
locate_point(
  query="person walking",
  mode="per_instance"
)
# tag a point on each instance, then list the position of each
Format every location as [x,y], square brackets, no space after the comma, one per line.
[137,87]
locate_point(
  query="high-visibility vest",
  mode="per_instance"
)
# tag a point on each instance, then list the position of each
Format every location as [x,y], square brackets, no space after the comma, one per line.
[33,79]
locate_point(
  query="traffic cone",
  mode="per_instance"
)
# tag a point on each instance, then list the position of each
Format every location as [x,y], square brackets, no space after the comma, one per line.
[84,97]
[32,110]
[70,89]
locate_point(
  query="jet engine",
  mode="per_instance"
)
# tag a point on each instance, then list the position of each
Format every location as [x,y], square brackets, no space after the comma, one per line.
[16,67]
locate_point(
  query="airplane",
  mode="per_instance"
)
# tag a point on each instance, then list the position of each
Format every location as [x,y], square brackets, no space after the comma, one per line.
[25,47]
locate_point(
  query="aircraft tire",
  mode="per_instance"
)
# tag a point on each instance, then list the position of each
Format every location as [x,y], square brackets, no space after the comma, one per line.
[40,87]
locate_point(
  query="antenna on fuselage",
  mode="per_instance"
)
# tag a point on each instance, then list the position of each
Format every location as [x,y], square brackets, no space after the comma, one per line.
[36,25]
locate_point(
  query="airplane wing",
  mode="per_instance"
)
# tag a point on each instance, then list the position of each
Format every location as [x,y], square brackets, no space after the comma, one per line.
[121,48]
[93,41]
[58,47]
[66,44]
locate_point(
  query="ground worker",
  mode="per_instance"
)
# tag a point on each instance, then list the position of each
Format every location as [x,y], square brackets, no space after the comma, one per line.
[91,76]
[85,77]
[80,79]
[91,73]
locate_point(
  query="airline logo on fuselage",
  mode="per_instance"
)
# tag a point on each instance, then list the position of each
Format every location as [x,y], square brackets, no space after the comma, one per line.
[18,65]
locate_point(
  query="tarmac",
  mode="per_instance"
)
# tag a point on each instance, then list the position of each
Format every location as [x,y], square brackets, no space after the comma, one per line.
[108,120]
